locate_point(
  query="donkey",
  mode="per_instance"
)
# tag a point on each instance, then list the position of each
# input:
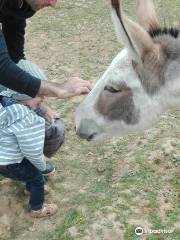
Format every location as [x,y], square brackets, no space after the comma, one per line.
[142,81]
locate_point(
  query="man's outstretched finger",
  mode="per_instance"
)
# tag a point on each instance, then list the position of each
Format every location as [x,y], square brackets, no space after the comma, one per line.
[83,90]
[80,82]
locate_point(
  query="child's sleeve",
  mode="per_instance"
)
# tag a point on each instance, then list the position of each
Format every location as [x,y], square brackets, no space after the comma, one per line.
[30,136]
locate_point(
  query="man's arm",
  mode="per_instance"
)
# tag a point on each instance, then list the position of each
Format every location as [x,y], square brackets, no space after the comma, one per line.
[14,32]
[73,87]
[18,80]
[13,77]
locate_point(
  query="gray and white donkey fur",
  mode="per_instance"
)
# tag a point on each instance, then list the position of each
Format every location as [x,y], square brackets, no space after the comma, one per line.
[142,81]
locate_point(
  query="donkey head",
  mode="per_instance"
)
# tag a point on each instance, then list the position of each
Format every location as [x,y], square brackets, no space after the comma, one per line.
[142,81]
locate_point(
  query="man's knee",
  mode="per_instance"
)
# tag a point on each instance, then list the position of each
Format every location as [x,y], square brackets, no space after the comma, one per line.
[54,137]
[54,133]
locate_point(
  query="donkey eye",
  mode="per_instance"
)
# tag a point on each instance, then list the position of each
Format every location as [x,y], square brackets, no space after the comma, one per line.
[111,89]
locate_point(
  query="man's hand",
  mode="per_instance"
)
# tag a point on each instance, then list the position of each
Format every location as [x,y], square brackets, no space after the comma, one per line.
[74,87]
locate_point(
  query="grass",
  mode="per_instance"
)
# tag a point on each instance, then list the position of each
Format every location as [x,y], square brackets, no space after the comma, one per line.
[103,191]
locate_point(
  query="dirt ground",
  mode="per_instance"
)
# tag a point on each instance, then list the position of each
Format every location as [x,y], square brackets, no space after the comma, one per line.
[103,191]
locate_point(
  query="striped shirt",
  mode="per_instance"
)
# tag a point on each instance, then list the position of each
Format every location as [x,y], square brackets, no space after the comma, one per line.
[21,135]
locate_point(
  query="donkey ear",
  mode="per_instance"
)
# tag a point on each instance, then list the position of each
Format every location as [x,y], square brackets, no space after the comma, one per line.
[132,35]
[147,15]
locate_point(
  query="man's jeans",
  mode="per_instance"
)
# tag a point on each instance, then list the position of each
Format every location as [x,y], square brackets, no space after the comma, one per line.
[26,172]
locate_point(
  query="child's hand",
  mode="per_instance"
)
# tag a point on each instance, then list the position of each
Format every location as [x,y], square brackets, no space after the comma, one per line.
[51,114]
[33,102]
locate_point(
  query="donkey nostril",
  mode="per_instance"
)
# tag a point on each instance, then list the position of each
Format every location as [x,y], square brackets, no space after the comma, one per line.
[91,137]
[87,129]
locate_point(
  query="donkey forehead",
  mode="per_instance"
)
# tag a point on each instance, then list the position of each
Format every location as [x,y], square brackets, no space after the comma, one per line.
[122,71]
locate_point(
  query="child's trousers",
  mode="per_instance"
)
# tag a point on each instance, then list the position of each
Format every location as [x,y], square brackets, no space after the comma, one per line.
[26,172]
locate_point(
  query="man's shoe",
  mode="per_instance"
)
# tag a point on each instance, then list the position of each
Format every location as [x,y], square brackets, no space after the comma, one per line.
[50,169]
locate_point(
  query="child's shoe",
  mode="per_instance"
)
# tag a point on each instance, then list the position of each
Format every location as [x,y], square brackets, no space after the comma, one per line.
[46,210]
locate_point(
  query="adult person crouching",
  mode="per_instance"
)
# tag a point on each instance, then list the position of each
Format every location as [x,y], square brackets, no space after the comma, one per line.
[13,15]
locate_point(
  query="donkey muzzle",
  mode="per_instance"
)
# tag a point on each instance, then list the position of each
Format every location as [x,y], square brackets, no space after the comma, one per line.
[87,129]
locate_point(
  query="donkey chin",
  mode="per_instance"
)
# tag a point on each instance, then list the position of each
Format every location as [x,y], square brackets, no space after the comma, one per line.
[142,81]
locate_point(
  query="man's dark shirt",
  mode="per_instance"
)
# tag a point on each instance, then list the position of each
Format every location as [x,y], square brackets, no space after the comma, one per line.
[13,19]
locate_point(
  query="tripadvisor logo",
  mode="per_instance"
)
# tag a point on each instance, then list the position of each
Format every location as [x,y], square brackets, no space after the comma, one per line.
[139,231]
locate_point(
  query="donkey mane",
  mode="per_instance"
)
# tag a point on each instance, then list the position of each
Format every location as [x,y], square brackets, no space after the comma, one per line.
[172,31]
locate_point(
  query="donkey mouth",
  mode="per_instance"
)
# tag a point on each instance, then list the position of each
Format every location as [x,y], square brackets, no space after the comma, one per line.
[87,130]
[91,137]
[85,136]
